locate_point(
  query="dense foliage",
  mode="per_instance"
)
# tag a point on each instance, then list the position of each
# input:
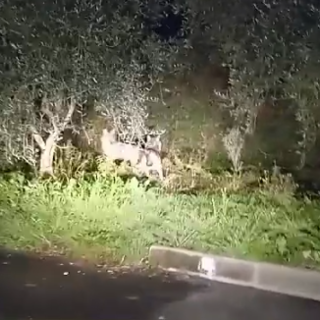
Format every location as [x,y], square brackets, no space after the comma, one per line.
[62,61]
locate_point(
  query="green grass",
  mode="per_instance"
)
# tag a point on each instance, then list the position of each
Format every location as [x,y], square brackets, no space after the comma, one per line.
[109,217]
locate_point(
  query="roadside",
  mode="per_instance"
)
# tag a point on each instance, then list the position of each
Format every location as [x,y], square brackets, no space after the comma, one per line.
[45,288]
[104,217]
[38,287]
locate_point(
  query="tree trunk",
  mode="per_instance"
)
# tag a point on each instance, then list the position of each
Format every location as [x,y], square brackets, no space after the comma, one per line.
[46,160]
[48,148]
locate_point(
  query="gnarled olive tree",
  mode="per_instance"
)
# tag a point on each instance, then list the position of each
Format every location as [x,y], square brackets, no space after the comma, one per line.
[272,51]
[56,55]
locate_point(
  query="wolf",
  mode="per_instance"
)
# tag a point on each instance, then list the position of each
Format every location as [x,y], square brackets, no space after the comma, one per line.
[146,161]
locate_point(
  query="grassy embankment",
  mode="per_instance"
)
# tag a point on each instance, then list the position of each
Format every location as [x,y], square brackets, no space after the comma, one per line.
[106,216]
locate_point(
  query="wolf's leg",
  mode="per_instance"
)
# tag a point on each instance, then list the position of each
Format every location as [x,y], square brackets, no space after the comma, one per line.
[160,173]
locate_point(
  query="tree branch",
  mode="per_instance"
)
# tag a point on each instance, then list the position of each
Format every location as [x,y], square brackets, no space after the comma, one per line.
[68,117]
[37,138]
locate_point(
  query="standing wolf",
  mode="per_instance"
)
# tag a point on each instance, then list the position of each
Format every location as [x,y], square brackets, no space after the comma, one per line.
[146,161]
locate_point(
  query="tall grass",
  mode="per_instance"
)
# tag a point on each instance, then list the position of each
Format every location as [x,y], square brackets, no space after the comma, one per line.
[110,217]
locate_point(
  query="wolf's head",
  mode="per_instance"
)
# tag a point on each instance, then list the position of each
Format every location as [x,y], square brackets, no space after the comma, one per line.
[109,136]
[154,143]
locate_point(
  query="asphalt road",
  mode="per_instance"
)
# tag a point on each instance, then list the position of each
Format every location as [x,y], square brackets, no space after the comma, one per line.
[50,288]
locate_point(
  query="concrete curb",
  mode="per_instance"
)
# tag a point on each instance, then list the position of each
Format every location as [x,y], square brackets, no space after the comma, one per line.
[265,276]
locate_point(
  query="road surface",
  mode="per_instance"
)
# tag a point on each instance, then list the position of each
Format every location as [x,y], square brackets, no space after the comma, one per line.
[52,289]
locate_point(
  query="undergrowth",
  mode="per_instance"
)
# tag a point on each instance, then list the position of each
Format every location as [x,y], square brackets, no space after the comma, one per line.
[102,215]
